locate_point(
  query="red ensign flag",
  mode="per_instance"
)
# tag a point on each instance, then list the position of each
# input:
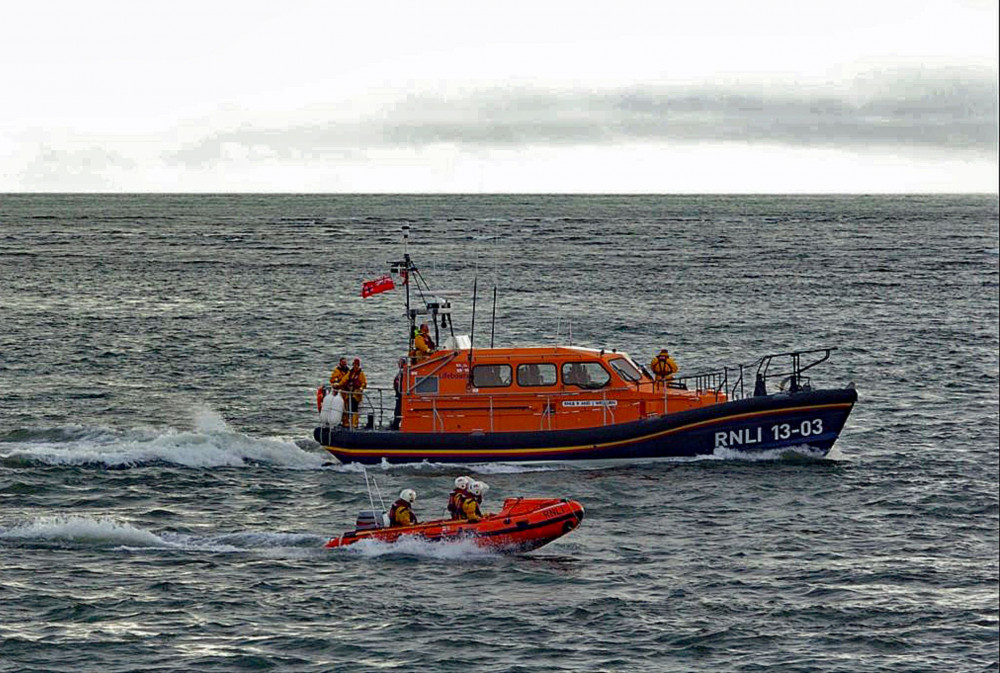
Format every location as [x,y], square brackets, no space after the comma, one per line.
[378,285]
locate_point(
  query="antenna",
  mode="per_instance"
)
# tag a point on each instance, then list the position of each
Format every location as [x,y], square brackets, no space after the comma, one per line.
[496,280]
[472,336]
[493,322]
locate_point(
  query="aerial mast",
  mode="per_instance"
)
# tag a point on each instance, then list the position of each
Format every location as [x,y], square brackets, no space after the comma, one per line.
[405,272]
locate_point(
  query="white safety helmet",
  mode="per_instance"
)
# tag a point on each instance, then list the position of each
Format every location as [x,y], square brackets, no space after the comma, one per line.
[479,488]
[462,483]
[408,494]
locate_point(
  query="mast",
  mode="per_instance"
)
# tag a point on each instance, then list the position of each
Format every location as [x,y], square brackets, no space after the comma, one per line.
[405,269]
[493,321]
[472,335]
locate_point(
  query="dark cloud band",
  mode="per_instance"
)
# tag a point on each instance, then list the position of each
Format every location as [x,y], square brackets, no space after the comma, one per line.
[952,112]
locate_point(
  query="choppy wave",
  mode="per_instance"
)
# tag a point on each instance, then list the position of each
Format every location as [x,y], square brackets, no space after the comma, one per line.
[210,444]
[103,532]
[83,530]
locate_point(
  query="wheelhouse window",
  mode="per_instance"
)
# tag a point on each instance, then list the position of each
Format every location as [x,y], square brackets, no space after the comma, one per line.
[587,375]
[626,369]
[491,376]
[532,374]
[426,385]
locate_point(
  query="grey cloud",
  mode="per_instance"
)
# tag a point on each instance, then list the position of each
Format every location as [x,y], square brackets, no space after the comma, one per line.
[954,112]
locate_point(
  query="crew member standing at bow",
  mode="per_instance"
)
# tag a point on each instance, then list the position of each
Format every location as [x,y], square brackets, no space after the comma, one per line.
[338,372]
[401,512]
[664,367]
[353,384]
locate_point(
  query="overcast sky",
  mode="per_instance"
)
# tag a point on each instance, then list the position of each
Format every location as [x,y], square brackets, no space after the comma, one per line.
[538,96]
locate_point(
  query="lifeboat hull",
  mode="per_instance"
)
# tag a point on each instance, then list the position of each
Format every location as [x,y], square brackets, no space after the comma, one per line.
[813,419]
[521,525]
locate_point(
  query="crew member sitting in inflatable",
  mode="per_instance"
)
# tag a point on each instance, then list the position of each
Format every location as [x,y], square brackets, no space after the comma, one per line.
[458,496]
[423,344]
[401,512]
[664,367]
[353,384]
[471,506]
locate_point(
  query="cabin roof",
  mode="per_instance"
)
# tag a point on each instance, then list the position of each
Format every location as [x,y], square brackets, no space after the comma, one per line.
[535,352]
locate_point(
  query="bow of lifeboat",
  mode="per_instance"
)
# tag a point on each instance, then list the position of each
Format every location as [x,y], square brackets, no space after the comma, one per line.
[521,525]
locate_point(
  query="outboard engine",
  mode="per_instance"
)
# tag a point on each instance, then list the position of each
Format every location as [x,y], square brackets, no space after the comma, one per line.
[371,519]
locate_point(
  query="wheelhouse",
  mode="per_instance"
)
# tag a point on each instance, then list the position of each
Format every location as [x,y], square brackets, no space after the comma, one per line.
[531,389]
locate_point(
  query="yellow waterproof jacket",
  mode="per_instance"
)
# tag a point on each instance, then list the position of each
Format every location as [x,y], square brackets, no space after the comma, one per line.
[336,375]
[422,345]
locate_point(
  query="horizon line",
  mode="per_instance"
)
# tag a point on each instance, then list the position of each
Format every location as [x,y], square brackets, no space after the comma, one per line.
[390,193]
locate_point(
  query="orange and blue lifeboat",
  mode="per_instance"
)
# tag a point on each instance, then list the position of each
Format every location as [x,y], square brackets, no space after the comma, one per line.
[557,404]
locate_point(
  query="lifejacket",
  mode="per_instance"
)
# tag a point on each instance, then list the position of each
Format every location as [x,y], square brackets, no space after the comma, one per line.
[355,380]
[455,502]
[337,375]
[401,514]
[663,365]
[470,509]
[423,345]
[320,394]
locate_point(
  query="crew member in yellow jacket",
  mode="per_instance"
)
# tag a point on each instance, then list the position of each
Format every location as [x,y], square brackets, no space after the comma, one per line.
[338,372]
[352,384]
[401,512]
[664,367]
[423,344]
[471,503]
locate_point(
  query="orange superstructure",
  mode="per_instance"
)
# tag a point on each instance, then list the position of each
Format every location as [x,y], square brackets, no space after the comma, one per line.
[535,389]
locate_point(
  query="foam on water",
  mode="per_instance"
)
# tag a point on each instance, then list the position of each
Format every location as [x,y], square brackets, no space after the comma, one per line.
[107,532]
[210,444]
[787,453]
[84,530]
[445,551]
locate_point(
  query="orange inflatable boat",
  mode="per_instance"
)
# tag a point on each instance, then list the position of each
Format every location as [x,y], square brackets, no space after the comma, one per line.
[522,524]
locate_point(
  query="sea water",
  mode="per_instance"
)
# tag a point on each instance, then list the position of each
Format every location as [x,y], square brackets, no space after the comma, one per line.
[163,506]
